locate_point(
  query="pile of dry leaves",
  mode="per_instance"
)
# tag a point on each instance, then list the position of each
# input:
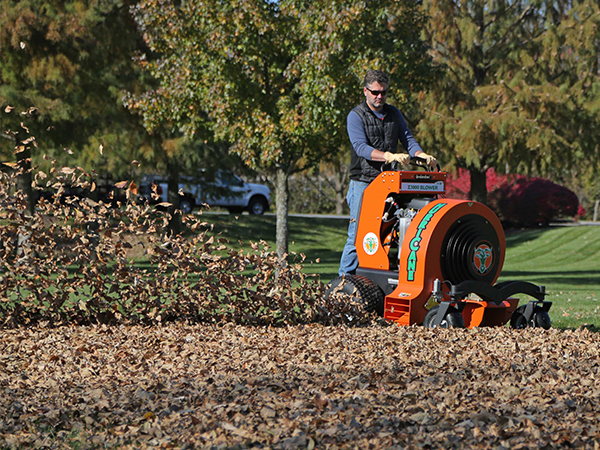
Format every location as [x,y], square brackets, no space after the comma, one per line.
[304,386]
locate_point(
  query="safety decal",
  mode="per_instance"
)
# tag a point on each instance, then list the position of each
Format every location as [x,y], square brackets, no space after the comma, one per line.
[483,258]
[415,242]
[370,243]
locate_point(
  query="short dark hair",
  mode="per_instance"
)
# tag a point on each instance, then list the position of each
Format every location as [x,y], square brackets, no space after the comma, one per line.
[376,76]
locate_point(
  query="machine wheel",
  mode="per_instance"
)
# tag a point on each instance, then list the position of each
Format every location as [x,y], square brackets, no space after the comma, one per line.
[453,319]
[540,319]
[430,316]
[186,205]
[518,320]
[361,289]
[257,206]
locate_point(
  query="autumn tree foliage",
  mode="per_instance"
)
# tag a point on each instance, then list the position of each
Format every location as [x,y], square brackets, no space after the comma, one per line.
[67,64]
[275,79]
[521,87]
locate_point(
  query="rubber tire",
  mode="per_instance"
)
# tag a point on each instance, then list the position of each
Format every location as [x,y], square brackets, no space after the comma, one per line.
[541,319]
[518,321]
[430,316]
[257,206]
[453,319]
[361,289]
[186,205]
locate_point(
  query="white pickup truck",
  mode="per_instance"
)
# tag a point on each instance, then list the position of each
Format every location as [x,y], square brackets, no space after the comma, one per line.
[215,188]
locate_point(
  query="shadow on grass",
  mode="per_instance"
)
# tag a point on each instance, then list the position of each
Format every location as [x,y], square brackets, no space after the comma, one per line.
[585,278]
[518,236]
[244,228]
[322,240]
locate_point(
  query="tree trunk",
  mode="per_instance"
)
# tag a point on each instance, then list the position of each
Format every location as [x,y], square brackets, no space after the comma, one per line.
[341,187]
[478,185]
[25,178]
[175,224]
[282,196]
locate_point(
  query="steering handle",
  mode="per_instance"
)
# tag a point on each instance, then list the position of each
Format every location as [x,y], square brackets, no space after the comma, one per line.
[417,161]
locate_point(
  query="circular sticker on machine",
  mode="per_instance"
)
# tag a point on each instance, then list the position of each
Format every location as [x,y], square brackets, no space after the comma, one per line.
[370,243]
[483,258]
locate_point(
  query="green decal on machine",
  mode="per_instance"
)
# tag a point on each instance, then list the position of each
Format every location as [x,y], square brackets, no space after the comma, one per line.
[415,242]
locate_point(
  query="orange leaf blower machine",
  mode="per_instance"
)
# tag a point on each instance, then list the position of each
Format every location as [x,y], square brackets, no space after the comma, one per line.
[424,259]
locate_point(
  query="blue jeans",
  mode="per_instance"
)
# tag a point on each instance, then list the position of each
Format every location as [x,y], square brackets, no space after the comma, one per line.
[349,260]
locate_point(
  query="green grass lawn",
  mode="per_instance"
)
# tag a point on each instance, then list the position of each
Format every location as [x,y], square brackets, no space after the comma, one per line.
[564,259]
[317,238]
[567,261]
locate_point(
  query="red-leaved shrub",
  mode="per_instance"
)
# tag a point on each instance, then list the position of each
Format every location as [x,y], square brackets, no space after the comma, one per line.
[533,201]
[518,200]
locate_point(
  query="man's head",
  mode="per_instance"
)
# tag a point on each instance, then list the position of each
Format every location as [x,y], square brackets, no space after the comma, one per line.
[376,76]
[375,86]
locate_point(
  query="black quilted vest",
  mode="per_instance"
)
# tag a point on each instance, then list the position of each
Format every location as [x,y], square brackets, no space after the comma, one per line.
[381,134]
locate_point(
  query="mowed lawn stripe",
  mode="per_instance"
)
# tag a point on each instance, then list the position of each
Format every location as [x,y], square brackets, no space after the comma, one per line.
[554,249]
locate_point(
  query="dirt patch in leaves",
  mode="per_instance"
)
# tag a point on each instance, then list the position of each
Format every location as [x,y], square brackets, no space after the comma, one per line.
[306,386]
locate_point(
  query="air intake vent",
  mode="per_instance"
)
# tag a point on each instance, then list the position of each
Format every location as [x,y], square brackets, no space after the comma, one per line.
[471,251]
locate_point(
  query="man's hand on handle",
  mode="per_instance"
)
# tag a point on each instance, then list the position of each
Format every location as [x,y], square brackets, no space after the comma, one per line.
[401,158]
[431,161]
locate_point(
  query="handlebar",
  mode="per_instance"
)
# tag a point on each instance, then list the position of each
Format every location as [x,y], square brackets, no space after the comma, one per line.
[416,161]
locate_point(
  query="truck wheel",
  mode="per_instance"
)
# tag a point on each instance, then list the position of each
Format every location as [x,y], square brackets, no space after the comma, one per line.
[257,206]
[360,289]
[186,205]
[453,319]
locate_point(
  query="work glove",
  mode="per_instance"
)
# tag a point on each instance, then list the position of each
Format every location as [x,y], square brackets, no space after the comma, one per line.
[431,161]
[402,158]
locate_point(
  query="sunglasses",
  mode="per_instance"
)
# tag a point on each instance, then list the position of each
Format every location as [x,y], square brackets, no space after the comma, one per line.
[376,93]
